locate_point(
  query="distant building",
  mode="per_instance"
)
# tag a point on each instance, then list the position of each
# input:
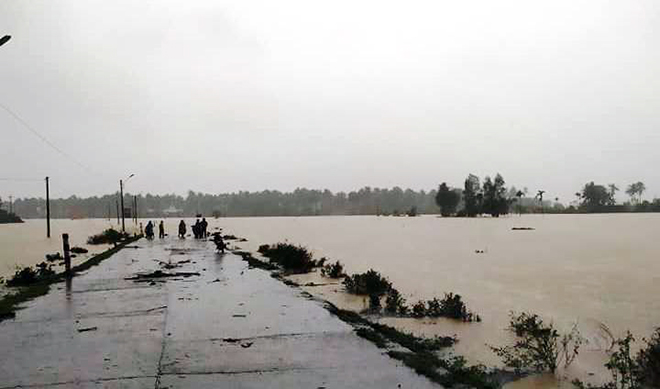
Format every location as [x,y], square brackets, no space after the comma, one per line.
[172,211]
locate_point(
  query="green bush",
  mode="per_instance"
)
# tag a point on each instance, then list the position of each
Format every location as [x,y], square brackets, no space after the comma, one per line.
[539,346]
[648,361]
[333,270]
[369,283]
[109,236]
[292,258]
[395,303]
[27,275]
[628,372]
[374,303]
[419,309]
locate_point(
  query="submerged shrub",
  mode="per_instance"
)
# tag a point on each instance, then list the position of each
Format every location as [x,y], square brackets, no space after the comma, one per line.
[374,303]
[333,270]
[648,361]
[28,275]
[369,283]
[79,250]
[293,258]
[632,372]
[109,236]
[395,303]
[453,307]
[419,309]
[539,346]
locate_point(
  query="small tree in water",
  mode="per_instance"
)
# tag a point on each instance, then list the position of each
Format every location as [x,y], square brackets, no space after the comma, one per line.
[447,199]
[539,347]
[632,372]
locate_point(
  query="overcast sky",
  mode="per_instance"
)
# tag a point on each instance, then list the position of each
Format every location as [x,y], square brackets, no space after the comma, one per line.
[219,96]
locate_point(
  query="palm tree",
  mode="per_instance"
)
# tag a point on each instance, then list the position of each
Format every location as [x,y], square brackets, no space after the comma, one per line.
[636,189]
[519,195]
[640,190]
[613,190]
[539,195]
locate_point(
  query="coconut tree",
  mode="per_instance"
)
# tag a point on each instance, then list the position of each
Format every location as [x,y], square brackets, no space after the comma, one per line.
[539,195]
[519,195]
[635,191]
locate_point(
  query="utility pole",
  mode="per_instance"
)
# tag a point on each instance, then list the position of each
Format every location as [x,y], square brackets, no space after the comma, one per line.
[121,198]
[47,208]
[135,209]
[11,208]
[117,203]
[5,39]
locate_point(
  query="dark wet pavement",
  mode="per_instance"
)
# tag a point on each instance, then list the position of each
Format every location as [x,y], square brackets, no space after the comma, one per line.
[229,327]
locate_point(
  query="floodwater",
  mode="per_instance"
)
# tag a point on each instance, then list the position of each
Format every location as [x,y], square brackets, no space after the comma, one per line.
[25,244]
[599,271]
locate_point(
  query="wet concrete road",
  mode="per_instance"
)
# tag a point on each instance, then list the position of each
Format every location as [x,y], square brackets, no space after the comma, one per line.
[229,327]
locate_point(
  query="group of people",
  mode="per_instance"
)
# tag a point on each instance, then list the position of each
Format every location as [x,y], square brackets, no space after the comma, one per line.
[199,229]
[149,230]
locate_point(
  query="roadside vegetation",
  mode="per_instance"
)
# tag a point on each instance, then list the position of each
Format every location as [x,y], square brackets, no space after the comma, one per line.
[30,275]
[539,346]
[28,282]
[333,270]
[109,236]
[294,259]
[376,286]
[424,355]
[640,371]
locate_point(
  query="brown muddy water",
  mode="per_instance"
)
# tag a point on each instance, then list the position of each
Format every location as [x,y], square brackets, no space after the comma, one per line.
[599,271]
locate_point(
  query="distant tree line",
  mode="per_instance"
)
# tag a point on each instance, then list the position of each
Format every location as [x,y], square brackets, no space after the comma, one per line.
[474,198]
[492,198]
[495,199]
[8,217]
[300,202]
[596,198]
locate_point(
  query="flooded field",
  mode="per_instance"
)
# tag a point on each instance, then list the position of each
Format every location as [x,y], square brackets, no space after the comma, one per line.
[25,244]
[600,271]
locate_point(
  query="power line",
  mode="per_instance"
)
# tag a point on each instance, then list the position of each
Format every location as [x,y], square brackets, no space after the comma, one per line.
[22,179]
[42,138]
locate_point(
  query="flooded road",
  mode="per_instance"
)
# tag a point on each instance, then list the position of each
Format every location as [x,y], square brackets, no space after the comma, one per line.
[600,271]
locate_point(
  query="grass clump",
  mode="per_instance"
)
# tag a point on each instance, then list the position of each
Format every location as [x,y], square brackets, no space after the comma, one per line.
[79,250]
[254,262]
[292,258]
[450,373]
[372,336]
[109,236]
[369,283]
[333,270]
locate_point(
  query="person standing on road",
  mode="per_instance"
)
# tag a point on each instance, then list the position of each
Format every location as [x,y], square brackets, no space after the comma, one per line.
[149,230]
[204,225]
[182,229]
[161,230]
